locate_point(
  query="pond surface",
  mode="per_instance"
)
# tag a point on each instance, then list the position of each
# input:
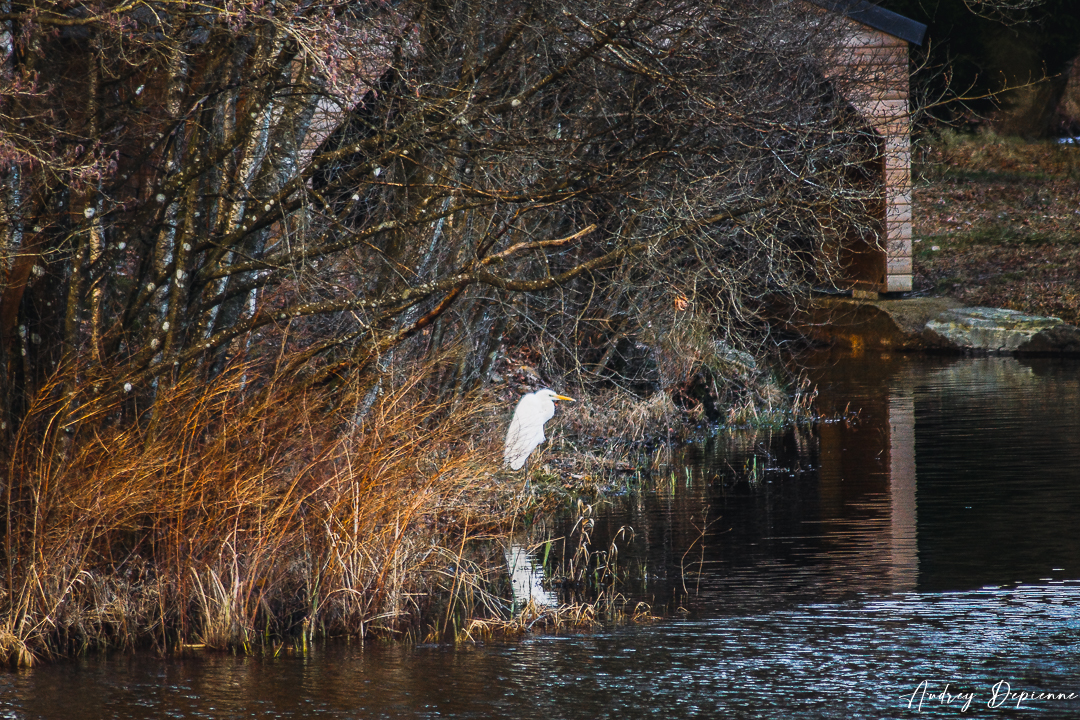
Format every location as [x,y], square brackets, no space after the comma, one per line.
[919,557]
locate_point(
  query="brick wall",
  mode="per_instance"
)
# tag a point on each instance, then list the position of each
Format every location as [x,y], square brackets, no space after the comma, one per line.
[872,67]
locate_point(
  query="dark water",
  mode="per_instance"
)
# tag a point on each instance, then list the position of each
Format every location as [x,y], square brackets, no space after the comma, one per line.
[923,550]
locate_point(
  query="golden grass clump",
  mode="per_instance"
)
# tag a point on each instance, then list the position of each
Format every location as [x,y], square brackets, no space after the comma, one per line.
[223,517]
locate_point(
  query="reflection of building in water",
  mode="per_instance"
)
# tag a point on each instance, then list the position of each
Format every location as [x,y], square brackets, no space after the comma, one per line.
[760,519]
[903,519]
[867,473]
[997,489]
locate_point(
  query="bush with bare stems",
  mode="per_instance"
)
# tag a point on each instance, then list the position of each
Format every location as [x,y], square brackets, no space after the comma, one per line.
[259,262]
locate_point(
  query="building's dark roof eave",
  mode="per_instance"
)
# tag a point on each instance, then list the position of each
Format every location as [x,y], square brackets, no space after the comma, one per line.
[878,18]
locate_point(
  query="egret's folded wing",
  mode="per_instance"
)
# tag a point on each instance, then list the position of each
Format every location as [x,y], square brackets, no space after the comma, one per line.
[525,433]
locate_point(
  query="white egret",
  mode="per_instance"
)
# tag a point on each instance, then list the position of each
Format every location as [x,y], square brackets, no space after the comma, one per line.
[527,426]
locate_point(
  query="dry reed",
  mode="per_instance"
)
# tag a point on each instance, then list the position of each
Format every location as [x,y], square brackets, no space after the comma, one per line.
[225,518]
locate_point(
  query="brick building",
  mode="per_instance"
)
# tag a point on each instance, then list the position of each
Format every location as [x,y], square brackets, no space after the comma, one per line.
[873,61]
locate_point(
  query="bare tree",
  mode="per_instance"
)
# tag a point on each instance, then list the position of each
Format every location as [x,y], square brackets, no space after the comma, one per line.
[333,189]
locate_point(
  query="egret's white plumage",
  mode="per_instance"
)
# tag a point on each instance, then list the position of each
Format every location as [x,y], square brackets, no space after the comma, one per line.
[527,426]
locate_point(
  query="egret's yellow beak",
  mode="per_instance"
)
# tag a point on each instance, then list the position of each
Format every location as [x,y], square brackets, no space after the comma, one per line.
[563,397]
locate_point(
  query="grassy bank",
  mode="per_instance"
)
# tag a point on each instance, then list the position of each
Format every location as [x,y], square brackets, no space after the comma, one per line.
[228,521]
[234,517]
[997,223]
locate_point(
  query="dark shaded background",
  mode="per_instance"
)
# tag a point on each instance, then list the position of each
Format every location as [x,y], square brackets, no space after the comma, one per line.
[968,55]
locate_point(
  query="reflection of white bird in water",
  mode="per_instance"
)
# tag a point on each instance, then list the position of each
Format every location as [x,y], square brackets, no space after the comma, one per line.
[527,427]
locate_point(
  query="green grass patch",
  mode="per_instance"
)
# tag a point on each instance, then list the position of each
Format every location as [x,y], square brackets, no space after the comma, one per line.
[923,249]
[1000,236]
[994,236]
[1006,278]
[946,286]
[990,176]
[986,157]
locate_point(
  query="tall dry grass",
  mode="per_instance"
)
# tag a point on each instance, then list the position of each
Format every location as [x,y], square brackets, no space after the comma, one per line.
[226,518]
